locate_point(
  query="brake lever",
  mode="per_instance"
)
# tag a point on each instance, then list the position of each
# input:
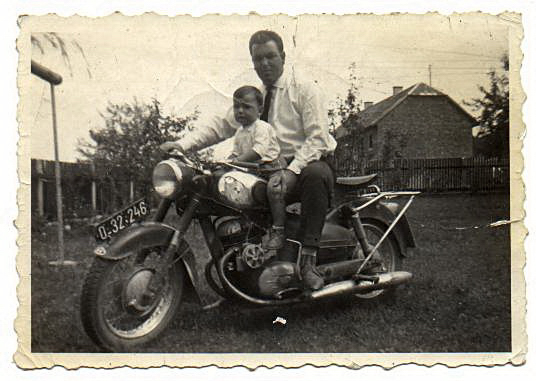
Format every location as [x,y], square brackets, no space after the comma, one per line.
[180,155]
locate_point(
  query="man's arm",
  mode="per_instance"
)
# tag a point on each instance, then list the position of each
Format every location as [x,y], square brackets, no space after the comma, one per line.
[216,130]
[318,141]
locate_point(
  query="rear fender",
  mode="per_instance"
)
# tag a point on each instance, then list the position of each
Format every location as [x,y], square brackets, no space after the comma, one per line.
[385,213]
[150,234]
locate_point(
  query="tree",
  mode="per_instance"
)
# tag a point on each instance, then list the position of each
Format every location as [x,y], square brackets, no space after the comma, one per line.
[343,116]
[42,42]
[348,107]
[126,148]
[494,109]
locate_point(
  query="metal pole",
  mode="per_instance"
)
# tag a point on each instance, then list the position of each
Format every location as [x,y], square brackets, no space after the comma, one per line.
[54,79]
[57,172]
[40,186]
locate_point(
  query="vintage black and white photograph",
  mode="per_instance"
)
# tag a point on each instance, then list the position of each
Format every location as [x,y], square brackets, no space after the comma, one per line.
[254,187]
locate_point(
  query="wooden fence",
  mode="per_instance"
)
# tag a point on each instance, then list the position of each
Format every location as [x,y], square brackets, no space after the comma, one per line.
[434,175]
[84,194]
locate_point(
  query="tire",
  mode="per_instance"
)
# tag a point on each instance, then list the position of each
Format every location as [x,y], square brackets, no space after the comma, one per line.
[107,288]
[390,253]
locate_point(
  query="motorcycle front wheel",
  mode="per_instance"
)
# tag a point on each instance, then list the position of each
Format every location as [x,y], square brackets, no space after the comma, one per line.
[121,308]
[389,252]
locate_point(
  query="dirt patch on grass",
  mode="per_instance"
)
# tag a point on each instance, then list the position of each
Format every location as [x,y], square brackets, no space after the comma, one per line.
[458,301]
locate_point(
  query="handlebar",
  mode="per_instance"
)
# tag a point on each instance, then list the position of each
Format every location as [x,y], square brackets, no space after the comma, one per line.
[245,164]
[240,165]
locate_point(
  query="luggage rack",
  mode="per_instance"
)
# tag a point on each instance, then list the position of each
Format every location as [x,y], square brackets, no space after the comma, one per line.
[376,196]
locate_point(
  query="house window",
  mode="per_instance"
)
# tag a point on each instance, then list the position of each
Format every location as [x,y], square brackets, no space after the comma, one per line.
[370,141]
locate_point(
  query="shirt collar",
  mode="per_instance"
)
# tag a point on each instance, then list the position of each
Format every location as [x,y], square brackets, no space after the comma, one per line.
[249,125]
[281,81]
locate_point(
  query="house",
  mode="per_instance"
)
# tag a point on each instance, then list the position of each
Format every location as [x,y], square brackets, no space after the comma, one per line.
[418,122]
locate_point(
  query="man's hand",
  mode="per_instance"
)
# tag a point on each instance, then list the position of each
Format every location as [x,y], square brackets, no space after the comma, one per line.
[170,146]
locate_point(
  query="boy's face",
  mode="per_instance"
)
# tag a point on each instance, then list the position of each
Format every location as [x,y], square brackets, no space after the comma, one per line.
[246,109]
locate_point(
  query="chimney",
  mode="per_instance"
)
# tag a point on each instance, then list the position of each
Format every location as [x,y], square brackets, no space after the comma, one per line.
[397,89]
[368,104]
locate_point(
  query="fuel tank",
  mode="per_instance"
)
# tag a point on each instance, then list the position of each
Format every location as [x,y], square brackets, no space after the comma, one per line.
[242,190]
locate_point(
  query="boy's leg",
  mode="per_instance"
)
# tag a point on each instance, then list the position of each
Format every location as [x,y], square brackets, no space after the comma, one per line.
[276,192]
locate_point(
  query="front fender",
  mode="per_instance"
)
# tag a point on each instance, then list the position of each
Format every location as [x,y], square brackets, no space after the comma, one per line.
[145,235]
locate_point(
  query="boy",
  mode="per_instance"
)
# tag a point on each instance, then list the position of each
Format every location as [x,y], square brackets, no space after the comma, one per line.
[256,141]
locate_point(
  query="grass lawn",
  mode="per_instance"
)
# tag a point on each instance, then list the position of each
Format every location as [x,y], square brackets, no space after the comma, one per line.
[458,301]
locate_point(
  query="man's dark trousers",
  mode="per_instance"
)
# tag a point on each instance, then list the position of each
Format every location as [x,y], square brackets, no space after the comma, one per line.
[314,190]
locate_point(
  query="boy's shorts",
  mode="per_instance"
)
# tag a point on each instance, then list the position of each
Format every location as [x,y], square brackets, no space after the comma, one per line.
[274,165]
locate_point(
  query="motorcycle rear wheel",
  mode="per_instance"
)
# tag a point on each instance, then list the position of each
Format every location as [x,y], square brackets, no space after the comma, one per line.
[389,252]
[110,314]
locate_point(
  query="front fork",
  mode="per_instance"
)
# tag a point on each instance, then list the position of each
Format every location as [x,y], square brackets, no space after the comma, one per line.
[169,258]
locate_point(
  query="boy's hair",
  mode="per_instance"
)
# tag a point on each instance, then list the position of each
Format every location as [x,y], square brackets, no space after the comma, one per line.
[242,91]
[263,36]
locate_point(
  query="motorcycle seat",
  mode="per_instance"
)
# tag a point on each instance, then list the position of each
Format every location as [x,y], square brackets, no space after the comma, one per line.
[356,181]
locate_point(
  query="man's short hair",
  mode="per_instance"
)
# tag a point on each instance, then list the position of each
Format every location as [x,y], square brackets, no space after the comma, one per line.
[263,36]
[242,91]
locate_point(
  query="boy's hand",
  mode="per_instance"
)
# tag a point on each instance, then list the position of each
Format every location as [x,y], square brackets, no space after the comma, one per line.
[170,146]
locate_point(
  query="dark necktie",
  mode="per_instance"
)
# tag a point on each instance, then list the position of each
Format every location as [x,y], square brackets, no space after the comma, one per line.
[267,101]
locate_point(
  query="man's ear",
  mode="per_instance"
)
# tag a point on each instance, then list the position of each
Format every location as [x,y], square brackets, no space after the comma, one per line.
[283,56]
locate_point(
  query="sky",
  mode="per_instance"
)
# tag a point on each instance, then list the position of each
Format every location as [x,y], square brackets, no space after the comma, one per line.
[189,63]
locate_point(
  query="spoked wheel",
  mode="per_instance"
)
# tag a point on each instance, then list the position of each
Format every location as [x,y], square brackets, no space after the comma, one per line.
[389,254]
[127,303]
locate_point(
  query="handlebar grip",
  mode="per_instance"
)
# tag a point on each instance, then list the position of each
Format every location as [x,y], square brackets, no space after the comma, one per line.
[246,164]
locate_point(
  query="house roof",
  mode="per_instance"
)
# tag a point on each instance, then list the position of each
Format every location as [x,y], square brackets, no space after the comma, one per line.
[373,114]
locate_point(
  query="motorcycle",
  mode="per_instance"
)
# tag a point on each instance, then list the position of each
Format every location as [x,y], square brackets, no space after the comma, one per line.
[143,270]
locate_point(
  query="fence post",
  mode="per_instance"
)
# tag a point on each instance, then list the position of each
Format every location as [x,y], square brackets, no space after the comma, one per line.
[131,190]
[93,189]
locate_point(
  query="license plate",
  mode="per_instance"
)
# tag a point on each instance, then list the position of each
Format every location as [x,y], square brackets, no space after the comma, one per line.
[121,220]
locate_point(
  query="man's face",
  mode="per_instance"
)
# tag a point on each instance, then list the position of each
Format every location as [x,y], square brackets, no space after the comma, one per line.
[268,62]
[246,109]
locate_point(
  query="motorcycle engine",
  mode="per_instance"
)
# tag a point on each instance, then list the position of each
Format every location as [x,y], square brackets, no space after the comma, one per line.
[253,269]
[252,256]
[263,273]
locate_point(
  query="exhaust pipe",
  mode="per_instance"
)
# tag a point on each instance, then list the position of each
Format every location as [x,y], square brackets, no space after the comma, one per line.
[342,269]
[386,280]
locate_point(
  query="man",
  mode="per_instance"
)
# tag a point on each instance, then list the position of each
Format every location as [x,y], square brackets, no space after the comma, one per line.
[297,111]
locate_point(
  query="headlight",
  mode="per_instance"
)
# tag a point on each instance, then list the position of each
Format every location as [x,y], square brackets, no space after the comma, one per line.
[167,178]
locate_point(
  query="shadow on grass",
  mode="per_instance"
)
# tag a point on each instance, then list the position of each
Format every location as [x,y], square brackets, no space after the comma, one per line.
[458,301]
